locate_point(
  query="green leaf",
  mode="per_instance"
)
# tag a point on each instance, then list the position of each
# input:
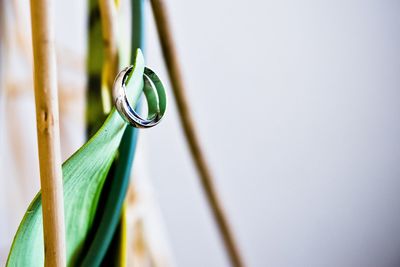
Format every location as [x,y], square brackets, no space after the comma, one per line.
[107,219]
[84,174]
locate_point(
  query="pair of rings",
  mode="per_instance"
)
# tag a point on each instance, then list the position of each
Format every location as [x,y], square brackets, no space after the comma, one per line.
[155,95]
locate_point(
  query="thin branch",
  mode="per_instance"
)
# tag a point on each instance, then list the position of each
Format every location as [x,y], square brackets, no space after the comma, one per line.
[45,81]
[174,72]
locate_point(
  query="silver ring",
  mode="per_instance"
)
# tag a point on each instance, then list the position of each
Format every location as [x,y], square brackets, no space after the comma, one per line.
[122,103]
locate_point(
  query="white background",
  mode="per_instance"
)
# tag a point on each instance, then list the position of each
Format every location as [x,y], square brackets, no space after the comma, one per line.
[297,106]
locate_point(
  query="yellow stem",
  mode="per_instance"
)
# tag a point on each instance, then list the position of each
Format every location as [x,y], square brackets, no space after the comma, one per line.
[45,83]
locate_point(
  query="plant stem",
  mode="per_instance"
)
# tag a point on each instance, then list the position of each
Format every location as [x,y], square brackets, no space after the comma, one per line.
[108,18]
[108,15]
[174,72]
[45,83]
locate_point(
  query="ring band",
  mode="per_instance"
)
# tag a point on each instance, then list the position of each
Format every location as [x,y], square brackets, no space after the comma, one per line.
[154,93]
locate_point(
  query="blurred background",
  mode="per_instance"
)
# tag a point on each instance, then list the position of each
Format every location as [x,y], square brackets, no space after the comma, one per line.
[297,107]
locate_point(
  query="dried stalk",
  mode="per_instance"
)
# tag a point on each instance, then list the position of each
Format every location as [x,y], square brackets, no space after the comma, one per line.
[171,60]
[108,15]
[45,83]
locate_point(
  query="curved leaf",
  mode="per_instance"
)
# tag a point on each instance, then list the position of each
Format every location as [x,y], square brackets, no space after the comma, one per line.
[105,231]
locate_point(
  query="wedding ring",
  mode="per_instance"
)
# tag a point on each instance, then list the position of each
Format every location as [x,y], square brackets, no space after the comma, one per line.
[154,93]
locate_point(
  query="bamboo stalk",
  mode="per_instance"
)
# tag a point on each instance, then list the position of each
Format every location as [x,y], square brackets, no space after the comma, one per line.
[174,72]
[45,83]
